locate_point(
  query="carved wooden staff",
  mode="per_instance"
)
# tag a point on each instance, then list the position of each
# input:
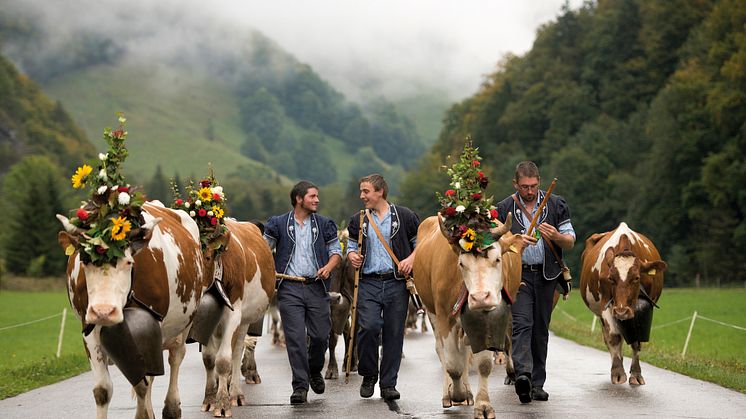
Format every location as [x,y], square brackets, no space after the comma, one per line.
[351,343]
[541,207]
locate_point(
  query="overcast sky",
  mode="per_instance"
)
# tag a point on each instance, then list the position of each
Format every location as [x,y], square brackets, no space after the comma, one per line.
[389,47]
[445,43]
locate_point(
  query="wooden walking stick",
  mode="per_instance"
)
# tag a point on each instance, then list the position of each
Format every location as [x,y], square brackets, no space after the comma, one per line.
[351,343]
[541,207]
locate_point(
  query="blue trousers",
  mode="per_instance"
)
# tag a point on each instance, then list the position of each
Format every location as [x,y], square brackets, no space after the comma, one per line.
[304,310]
[381,313]
[532,312]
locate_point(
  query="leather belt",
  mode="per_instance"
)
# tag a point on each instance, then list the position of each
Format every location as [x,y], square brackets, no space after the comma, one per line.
[532,268]
[381,276]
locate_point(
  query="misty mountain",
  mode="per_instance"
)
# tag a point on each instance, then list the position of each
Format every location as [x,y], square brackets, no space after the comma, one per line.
[198,91]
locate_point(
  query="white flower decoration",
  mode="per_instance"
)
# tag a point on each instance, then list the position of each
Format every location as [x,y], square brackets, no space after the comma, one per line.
[209,213]
[101,189]
[197,203]
[103,156]
[187,205]
[123,198]
[457,185]
[192,213]
[218,190]
[102,174]
[460,208]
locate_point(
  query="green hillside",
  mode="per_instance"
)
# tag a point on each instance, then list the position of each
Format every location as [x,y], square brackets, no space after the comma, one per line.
[638,108]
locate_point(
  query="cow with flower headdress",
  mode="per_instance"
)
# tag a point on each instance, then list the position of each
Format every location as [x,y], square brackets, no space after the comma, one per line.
[467,271]
[243,283]
[135,275]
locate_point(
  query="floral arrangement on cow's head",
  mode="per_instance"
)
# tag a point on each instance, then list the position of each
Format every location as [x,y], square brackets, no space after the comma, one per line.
[467,213]
[112,214]
[205,203]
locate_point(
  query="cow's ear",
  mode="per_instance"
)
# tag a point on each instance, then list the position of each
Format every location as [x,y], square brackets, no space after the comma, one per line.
[67,242]
[512,243]
[651,268]
[220,241]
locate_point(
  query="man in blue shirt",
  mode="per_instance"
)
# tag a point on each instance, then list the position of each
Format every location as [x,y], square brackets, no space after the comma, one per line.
[306,245]
[541,269]
[382,294]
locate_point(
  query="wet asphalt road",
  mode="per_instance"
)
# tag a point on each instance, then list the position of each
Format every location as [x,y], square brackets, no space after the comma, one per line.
[578,384]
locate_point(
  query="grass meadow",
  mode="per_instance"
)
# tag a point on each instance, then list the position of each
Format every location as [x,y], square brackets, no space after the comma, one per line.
[716,352]
[29,352]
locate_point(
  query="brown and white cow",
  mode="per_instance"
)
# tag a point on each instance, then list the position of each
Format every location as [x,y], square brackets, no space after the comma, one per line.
[249,282]
[340,304]
[167,274]
[440,270]
[618,266]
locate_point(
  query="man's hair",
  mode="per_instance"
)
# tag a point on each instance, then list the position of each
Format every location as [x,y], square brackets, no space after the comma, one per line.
[300,190]
[378,182]
[526,169]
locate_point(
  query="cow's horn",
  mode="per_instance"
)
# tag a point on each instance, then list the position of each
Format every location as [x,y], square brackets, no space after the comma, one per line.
[69,227]
[443,228]
[502,228]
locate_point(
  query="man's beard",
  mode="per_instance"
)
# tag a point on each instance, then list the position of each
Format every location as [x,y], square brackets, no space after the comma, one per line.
[306,208]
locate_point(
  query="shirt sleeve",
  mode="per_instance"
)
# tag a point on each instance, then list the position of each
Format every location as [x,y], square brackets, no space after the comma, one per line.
[564,225]
[331,238]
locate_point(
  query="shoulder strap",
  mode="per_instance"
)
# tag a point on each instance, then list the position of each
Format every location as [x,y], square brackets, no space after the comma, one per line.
[380,237]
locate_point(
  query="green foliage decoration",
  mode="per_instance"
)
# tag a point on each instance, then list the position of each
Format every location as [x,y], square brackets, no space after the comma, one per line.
[205,203]
[468,214]
[111,218]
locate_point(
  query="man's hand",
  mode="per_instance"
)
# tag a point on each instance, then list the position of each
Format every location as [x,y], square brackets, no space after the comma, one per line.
[355,259]
[405,266]
[326,271]
[528,240]
[549,232]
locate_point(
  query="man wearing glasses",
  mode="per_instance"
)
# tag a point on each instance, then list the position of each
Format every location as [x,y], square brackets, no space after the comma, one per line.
[532,309]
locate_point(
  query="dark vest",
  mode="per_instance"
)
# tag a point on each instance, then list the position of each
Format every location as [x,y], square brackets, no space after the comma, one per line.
[282,229]
[555,213]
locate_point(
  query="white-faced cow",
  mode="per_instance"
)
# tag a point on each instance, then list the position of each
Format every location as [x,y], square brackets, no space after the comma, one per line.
[440,270]
[619,267]
[166,274]
[249,283]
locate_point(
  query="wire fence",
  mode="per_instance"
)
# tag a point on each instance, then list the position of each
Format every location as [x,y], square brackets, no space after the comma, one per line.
[693,318]
[61,336]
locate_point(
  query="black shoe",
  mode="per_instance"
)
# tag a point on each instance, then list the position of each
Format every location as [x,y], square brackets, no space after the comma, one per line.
[538,393]
[298,396]
[523,388]
[317,383]
[390,393]
[368,385]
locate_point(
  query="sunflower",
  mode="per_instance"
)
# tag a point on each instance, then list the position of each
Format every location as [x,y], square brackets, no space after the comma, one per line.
[205,194]
[120,229]
[78,179]
[217,211]
[467,239]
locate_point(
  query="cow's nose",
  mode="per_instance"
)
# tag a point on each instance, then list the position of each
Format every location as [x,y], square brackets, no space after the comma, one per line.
[481,300]
[623,313]
[102,314]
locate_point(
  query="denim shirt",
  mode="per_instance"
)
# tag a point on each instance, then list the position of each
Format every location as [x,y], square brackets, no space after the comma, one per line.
[534,254]
[302,262]
[378,260]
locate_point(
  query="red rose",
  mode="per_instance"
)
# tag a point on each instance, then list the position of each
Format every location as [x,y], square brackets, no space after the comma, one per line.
[476,196]
[118,133]
[123,189]
[205,183]
[493,213]
[100,250]
[450,192]
[462,229]
[216,197]
[202,212]
[483,182]
[450,211]
[213,221]
[480,174]
[475,163]
[179,202]
[82,214]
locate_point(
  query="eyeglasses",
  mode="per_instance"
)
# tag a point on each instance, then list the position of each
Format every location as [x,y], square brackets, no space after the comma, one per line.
[527,187]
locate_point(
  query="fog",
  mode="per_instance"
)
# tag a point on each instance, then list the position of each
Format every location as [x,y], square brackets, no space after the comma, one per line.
[385,47]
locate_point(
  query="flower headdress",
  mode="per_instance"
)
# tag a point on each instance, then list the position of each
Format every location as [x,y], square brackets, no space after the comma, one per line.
[205,203]
[467,214]
[111,216]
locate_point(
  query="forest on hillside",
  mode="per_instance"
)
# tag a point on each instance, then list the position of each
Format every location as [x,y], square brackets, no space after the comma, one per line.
[639,109]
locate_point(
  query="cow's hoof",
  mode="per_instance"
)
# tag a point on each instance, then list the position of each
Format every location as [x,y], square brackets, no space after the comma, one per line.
[253,379]
[331,374]
[636,380]
[484,412]
[171,412]
[447,402]
[205,407]
[618,378]
[509,380]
